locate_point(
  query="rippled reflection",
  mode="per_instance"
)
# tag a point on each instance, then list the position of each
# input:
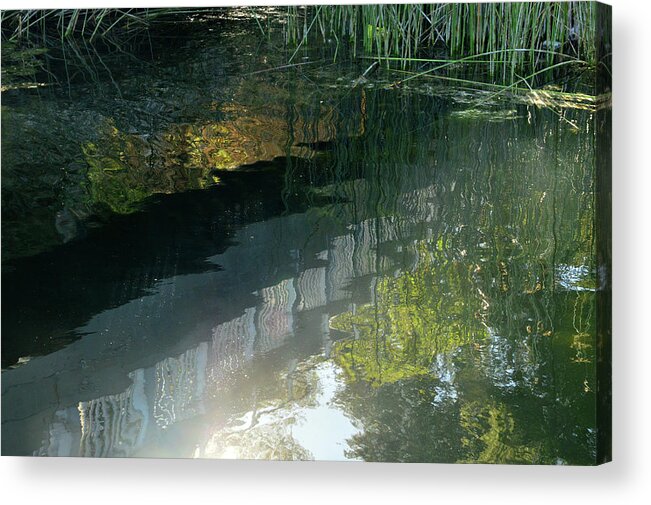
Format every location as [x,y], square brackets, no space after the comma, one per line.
[387,280]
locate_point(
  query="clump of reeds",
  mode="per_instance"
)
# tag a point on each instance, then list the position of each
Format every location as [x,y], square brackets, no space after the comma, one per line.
[510,37]
[61,24]
[34,40]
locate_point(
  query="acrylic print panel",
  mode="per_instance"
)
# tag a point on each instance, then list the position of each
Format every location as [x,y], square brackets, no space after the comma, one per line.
[375,233]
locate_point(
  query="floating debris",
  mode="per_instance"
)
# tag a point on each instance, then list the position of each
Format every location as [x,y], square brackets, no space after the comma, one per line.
[490,115]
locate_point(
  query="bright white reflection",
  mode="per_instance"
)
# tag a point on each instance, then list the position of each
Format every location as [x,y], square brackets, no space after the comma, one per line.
[310,425]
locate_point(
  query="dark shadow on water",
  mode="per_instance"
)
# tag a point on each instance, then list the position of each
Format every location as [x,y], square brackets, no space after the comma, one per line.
[49,294]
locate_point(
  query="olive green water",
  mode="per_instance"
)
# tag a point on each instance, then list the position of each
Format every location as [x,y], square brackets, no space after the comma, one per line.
[203,259]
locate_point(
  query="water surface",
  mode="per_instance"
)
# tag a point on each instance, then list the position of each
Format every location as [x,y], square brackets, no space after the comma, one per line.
[203,258]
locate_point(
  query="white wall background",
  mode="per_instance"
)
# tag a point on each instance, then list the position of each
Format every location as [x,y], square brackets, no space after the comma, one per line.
[627,480]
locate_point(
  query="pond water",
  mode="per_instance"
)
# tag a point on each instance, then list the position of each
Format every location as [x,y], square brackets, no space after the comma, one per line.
[205,258]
